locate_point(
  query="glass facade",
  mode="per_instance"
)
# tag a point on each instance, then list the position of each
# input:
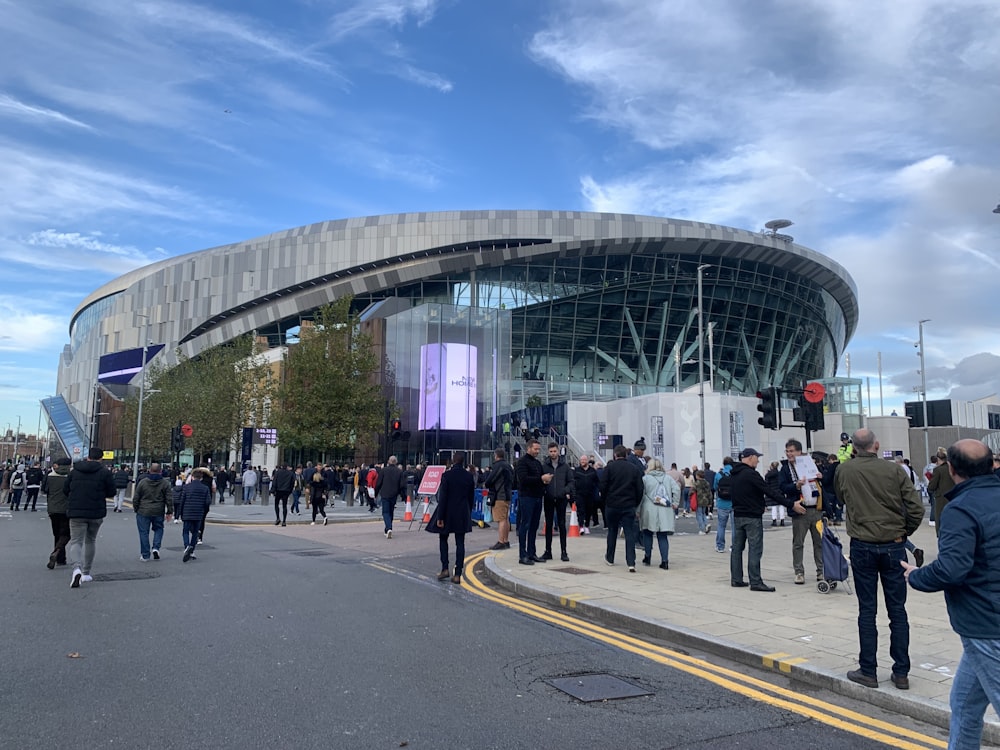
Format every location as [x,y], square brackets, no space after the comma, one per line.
[614,325]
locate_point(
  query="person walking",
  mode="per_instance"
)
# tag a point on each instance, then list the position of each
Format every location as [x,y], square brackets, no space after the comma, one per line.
[703,501]
[389,487]
[298,487]
[88,488]
[153,504]
[196,498]
[33,483]
[54,487]
[660,495]
[122,479]
[965,570]
[723,487]
[622,490]
[748,492]
[282,484]
[317,495]
[499,482]
[531,490]
[938,487]
[17,482]
[221,483]
[453,514]
[883,509]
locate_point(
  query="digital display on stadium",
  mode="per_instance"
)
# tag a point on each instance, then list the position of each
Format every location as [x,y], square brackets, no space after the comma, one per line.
[120,367]
[448,387]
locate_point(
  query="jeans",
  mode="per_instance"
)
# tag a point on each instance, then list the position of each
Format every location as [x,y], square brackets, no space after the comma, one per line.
[143,523]
[701,514]
[870,564]
[802,525]
[388,508]
[296,494]
[529,512]
[83,542]
[722,520]
[621,518]
[248,494]
[459,552]
[120,497]
[14,499]
[662,540]
[222,495]
[190,533]
[976,684]
[747,531]
[555,516]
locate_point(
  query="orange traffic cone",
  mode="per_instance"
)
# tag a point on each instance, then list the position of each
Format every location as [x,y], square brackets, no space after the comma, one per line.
[408,513]
[574,522]
[427,512]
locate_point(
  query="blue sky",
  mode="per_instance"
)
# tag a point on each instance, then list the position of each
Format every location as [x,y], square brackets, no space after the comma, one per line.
[130,132]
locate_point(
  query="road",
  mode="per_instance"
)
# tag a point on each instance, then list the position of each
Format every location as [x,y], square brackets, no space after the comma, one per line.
[319,637]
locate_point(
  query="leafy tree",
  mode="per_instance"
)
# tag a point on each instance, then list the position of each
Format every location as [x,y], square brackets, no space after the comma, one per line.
[217,392]
[329,398]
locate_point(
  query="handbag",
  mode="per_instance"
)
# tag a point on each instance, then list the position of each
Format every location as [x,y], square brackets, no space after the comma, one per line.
[371,493]
[694,501]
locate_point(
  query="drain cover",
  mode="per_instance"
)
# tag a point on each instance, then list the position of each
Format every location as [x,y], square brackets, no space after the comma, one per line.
[125,576]
[597,687]
[574,571]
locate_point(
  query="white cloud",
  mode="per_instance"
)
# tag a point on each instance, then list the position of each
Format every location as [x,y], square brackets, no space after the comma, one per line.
[866,124]
[381,13]
[33,112]
[424,78]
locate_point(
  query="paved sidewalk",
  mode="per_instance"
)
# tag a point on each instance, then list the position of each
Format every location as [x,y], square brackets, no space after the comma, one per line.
[230,513]
[796,630]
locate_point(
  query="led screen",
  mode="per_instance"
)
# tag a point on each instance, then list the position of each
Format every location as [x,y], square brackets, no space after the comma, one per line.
[448,387]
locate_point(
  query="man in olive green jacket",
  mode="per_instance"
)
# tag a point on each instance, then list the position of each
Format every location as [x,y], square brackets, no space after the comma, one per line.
[883,509]
[152,499]
[55,504]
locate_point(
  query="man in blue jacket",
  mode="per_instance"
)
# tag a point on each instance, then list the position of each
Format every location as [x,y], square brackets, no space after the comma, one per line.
[966,570]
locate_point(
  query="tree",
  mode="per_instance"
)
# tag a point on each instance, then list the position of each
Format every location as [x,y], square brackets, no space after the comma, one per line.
[217,392]
[329,398]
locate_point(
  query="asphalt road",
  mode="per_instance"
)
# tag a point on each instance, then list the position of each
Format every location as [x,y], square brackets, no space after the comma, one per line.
[322,637]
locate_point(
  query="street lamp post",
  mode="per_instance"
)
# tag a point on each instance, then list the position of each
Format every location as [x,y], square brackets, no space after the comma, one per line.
[701,366]
[142,395]
[923,393]
[17,435]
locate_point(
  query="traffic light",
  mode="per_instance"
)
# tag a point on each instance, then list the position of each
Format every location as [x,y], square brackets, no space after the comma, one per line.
[769,408]
[176,440]
[397,429]
[812,415]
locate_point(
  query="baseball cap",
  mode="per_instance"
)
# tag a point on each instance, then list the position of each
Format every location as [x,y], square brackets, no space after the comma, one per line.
[844,436]
[747,452]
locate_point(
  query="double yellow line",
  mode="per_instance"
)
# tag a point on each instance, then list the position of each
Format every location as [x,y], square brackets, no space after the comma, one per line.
[751,687]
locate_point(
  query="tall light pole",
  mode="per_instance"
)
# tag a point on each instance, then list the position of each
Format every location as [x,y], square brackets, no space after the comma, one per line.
[701,366]
[142,397]
[923,393]
[17,435]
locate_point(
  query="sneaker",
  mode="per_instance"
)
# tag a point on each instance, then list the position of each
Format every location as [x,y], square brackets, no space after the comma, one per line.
[631,569]
[86,578]
[930,523]
[585,531]
[708,527]
[721,550]
[607,561]
[388,533]
[800,578]
[52,561]
[156,554]
[143,559]
[325,520]
[313,523]
[75,580]
[187,554]
[193,557]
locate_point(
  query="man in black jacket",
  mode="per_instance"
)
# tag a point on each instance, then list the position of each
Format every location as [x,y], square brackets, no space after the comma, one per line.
[531,490]
[88,488]
[389,487]
[282,483]
[53,485]
[621,488]
[748,490]
[558,492]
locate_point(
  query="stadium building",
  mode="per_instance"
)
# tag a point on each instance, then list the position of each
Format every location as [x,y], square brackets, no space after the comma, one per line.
[482,314]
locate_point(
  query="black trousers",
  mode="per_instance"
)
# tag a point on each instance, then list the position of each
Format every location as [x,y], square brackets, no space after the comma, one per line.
[555,515]
[281,499]
[60,533]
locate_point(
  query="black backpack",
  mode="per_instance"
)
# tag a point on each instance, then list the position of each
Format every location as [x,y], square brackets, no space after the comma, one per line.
[725,488]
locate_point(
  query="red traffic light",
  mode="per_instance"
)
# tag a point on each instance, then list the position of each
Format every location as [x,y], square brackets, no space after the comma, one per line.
[396,424]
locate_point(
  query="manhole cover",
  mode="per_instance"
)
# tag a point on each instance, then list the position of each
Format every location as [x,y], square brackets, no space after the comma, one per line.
[125,576]
[597,687]
[574,571]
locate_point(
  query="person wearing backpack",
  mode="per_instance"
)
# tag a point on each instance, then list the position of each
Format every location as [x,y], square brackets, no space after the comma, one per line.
[17,482]
[723,503]
[660,495]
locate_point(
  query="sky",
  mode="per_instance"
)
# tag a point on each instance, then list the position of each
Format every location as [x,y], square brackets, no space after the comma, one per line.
[132,132]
